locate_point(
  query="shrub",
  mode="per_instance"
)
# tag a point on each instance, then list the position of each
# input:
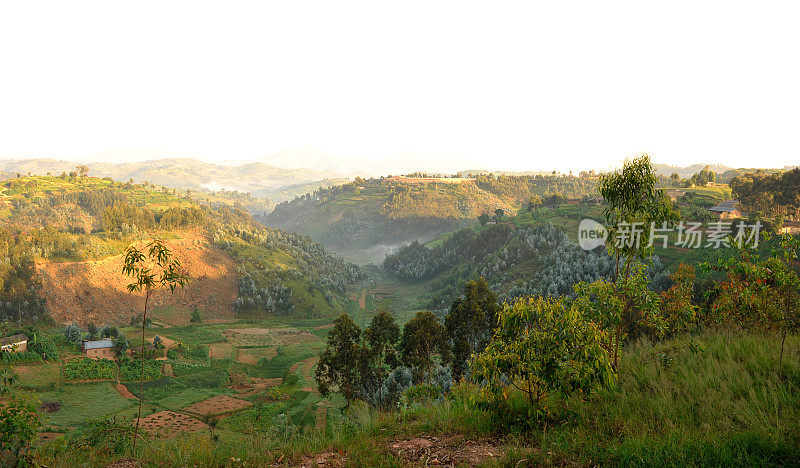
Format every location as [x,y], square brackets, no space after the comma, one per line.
[543,346]
[88,369]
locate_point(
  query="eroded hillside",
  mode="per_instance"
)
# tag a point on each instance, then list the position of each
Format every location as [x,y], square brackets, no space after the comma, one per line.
[94,291]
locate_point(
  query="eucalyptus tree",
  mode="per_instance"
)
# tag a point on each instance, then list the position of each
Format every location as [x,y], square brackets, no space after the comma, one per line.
[150,269]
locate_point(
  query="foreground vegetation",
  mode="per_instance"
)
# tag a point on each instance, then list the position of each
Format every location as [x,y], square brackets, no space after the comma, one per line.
[708,398]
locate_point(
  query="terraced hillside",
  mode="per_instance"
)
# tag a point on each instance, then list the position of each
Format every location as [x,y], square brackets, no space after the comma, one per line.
[366,219]
[61,251]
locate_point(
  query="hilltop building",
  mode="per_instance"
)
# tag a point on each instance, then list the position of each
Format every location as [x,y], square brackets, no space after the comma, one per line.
[727,209]
[99,349]
[14,344]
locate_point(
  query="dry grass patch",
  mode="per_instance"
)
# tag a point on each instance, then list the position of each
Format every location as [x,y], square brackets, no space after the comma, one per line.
[168,424]
[219,404]
[251,356]
[447,450]
[220,350]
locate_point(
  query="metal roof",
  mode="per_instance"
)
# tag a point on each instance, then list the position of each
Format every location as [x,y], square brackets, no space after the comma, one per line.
[106,343]
[727,205]
[13,339]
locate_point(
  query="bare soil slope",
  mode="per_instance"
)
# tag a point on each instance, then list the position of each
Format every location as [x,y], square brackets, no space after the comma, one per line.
[94,291]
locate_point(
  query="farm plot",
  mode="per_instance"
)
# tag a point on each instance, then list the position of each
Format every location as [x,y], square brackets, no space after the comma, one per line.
[220,404]
[220,351]
[247,386]
[84,402]
[257,337]
[252,356]
[304,370]
[37,376]
[169,424]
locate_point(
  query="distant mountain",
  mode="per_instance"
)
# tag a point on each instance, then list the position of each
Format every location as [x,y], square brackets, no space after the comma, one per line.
[257,178]
[688,171]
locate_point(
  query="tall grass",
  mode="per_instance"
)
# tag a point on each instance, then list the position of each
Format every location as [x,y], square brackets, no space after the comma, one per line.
[713,399]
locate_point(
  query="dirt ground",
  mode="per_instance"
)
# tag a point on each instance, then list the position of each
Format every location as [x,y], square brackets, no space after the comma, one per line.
[219,404]
[123,390]
[94,291]
[246,386]
[220,350]
[326,459]
[170,424]
[251,356]
[446,450]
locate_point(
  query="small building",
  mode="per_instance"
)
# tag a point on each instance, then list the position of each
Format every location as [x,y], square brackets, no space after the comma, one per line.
[99,349]
[727,209]
[14,344]
[790,227]
[674,194]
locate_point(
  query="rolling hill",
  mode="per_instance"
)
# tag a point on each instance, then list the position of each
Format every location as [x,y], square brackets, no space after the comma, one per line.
[61,251]
[257,178]
[366,219]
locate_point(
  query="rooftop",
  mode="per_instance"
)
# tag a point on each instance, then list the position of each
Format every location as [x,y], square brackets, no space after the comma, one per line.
[105,343]
[725,206]
[13,339]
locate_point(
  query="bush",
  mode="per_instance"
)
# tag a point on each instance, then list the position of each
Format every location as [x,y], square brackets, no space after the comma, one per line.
[130,370]
[542,346]
[25,356]
[88,369]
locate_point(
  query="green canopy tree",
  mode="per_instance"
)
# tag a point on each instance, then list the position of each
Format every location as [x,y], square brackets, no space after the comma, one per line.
[542,345]
[633,204]
[340,362]
[423,338]
[381,336]
[470,323]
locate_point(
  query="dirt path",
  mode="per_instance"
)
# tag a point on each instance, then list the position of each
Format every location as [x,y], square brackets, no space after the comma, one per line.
[123,390]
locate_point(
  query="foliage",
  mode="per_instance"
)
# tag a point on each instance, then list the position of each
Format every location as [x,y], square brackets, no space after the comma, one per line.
[73,334]
[88,369]
[120,345]
[761,294]
[541,346]
[19,424]
[423,338]
[677,310]
[470,323]
[339,364]
[129,370]
[19,357]
[381,337]
[155,270]
[44,345]
[627,308]
[769,192]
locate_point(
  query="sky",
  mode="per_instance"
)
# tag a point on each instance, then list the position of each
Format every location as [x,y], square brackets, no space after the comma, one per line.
[431,85]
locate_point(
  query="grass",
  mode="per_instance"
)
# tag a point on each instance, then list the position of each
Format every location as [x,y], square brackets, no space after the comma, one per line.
[37,376]
[711,399]
[84,402]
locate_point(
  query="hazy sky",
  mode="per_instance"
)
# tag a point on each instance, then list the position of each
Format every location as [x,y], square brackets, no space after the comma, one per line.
[529,85]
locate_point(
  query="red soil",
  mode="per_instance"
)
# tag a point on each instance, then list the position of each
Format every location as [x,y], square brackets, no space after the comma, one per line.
[94,291]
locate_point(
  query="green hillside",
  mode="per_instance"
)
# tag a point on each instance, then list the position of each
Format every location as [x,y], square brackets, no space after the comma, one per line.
[365,219]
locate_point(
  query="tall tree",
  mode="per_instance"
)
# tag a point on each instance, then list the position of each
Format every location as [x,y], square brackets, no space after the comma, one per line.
[339,364]
[423,338]
[151,270]
[381,336]
[470,323]
[633,205]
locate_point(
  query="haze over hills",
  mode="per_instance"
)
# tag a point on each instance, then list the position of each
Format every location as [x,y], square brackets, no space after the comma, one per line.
[257,178]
